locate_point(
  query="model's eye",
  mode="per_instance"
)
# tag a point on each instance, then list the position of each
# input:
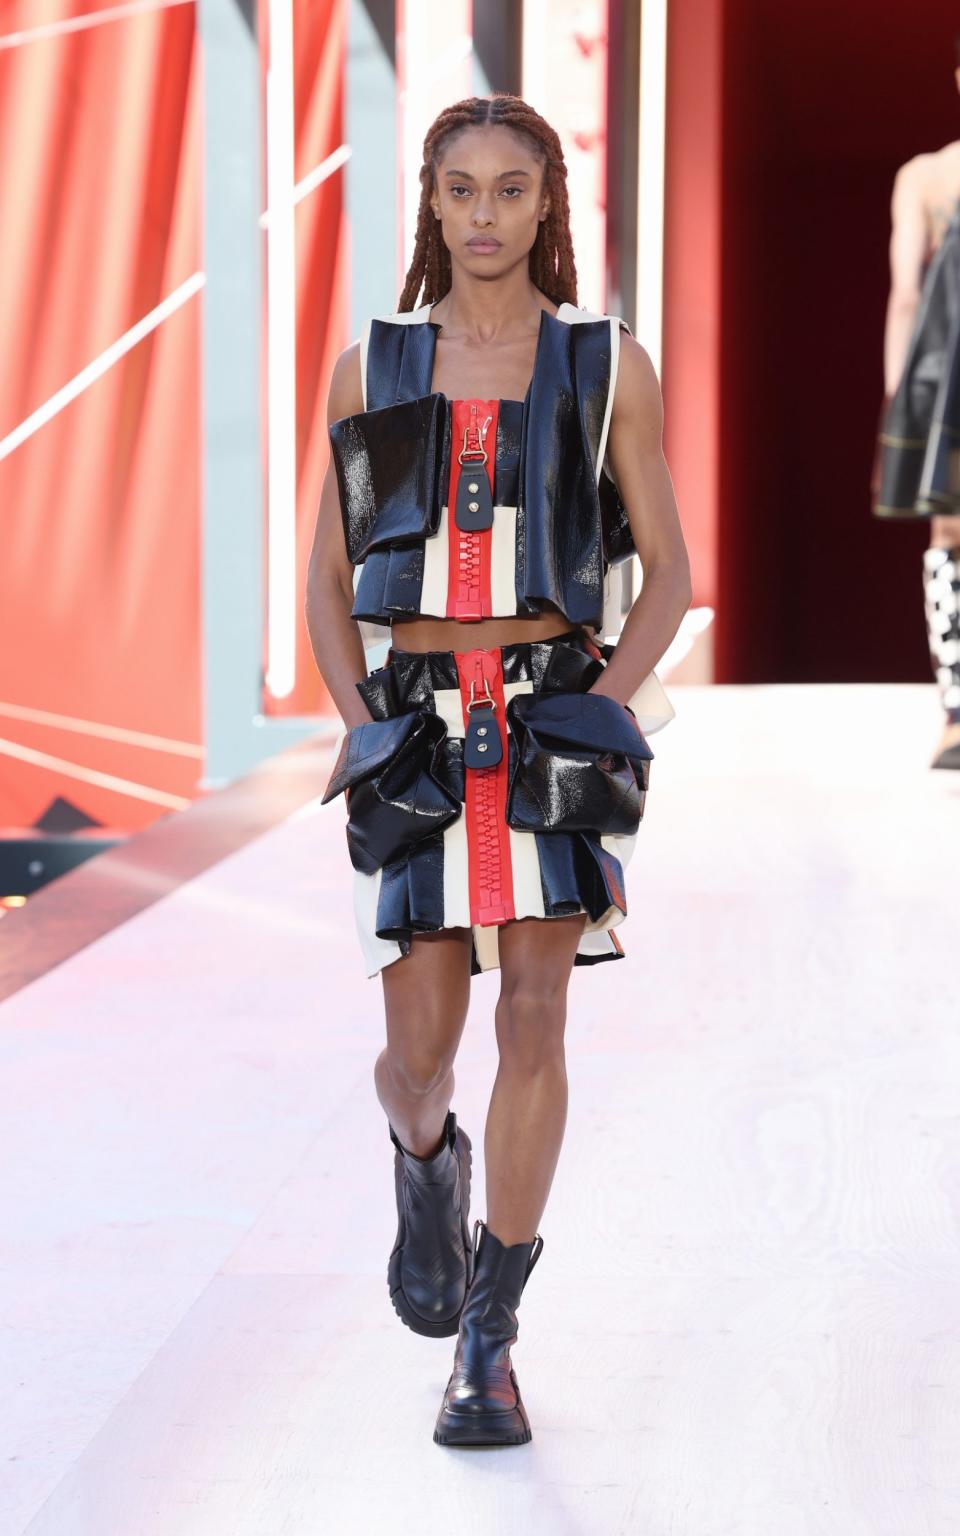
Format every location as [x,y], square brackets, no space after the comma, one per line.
[457,189]
[517,190]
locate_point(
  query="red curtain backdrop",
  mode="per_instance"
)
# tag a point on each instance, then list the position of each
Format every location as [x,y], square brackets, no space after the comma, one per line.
[100,155]
[99,616]
[319,43]
[787,122]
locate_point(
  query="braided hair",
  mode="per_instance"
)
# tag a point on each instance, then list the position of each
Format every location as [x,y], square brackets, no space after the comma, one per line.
[552,267]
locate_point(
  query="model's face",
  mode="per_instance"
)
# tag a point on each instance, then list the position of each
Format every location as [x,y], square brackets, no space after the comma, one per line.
[489,197]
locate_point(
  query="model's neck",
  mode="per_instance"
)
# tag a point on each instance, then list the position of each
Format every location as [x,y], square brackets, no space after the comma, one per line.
[485,309]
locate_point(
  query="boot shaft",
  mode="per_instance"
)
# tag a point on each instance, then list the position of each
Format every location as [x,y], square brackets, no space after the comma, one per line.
[441,1167]
[488,1325]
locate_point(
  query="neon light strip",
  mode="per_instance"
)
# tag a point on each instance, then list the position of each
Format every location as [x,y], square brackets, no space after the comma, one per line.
[83,23]
[91,776]
[105,732]
[653,134]
[100,365]
[312,181]
[281,359]
[536,22]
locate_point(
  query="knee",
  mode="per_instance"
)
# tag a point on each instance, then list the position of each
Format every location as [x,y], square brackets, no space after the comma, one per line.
[530,1020]
[417,1068]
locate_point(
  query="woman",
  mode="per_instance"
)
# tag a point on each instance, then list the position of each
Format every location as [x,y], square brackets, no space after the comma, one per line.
[494,452]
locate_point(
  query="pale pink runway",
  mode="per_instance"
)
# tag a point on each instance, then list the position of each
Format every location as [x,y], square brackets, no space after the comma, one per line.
[745,1321]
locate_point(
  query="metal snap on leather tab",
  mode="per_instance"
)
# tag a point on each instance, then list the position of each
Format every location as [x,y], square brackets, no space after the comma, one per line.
[481,721]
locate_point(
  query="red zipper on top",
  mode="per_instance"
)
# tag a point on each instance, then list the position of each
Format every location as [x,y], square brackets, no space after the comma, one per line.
[490,868]
[473,433]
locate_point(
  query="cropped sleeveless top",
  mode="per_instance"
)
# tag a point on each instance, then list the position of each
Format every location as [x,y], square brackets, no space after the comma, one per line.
[548,524]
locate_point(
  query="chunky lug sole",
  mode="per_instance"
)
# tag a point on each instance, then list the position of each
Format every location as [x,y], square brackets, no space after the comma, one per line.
[413,1319]
[464,1429]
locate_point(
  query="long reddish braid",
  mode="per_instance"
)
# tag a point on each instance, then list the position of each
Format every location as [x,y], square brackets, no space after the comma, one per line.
[552,267]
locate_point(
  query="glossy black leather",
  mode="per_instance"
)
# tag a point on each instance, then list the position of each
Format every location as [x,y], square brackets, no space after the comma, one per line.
[576,871]
[432,1258]
[915,474]
[581,764]
[569,527]
[482,1403]
[388,473]
[400,791]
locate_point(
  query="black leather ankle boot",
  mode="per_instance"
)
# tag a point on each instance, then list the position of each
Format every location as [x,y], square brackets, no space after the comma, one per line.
[432,1260]
[482,1405]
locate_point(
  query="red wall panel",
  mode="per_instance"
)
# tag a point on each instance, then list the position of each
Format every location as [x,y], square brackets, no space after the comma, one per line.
[821,105]
[99,507]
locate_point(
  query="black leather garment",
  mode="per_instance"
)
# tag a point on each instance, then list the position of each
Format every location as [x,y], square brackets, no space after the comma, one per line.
[581,764]
[392,464]
[915,470]
[603,774]
[401,788]
[432,1259]
[482,1403]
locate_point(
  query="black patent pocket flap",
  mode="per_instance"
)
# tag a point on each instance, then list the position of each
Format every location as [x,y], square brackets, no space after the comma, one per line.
[367,748]
[590,722]
[388,464]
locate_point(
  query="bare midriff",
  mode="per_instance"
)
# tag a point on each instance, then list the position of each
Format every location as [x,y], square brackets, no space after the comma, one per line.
[484,634]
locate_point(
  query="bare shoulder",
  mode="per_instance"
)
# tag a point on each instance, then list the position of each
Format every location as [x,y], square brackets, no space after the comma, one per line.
[637,397]
[346,392]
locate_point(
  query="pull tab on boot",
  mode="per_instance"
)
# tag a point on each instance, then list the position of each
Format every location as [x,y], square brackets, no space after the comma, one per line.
[474,509]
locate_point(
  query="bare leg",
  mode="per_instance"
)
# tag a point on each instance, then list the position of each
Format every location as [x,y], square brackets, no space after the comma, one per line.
[528,1107]
[945,534]
[426,995]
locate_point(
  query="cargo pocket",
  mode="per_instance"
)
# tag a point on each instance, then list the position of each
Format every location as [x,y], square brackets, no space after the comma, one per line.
[581,764]
[396,773]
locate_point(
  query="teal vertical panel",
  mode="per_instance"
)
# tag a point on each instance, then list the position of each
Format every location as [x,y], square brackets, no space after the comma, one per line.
[372,171]
[232,585]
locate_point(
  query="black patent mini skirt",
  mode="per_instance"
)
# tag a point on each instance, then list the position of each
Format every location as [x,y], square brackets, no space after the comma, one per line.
[491,785]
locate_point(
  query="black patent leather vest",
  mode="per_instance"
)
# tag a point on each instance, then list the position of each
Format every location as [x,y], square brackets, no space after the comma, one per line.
[916,471]
[393,461]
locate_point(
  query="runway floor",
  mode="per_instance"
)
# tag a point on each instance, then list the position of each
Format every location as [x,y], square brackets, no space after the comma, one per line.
[746,1319]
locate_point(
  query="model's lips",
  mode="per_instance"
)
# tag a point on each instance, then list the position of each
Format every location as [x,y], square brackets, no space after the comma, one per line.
[483,243]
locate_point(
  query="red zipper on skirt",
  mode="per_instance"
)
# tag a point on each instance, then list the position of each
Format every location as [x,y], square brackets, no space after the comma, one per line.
[490,868]
[473,432]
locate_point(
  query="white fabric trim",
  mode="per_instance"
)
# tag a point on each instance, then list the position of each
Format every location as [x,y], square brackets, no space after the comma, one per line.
[503,561]
[366,894]
[436,569]
[364,348]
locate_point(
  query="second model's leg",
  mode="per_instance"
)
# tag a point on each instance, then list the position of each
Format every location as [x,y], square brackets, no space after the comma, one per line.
[941,567]
[528,1107]
[426,995]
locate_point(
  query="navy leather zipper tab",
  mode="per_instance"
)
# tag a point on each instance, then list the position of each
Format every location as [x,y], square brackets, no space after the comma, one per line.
[474,509]
[481,745]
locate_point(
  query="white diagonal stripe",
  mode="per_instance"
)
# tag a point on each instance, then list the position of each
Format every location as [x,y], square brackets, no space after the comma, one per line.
[92,776]
[106,732]
[100,365]
[83,23]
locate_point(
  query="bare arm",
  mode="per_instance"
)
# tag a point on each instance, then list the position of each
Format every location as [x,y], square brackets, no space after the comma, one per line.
[334,636]
[643,479]
[908,245]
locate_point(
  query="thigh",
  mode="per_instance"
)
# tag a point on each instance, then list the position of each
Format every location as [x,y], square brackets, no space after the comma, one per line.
[944,532]
[537,954]
[426,994]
